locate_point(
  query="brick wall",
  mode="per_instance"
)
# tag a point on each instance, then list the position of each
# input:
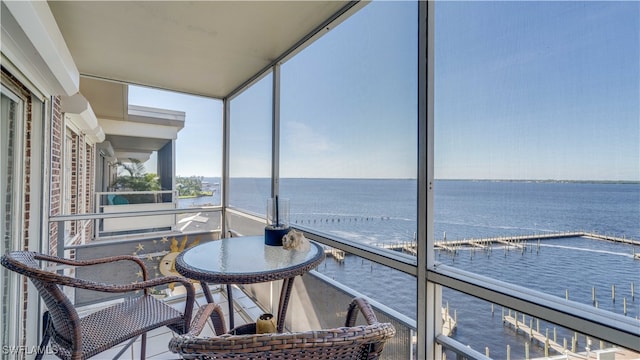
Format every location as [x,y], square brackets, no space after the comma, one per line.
[55,184]
[90,176]
[73,177]
[81,183]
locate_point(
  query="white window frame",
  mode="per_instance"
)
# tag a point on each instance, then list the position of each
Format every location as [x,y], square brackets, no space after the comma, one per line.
[17,218]
[431,277]
[596,323]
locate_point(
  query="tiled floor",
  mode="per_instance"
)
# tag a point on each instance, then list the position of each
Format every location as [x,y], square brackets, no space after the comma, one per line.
[157,340]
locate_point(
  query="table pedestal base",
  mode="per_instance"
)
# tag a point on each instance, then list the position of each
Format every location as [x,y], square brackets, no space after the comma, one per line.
[285,295]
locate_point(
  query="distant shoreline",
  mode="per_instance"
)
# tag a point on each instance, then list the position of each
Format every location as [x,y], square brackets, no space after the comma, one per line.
[630,182]
[202,194]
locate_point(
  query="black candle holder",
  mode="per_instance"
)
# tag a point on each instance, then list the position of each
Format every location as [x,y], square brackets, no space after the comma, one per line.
[277,221]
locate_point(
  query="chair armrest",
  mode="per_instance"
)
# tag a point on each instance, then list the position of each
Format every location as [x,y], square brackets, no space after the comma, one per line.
[96,261]
[365,308]
[388,331]
[212,310]
[65,280]
[123,288]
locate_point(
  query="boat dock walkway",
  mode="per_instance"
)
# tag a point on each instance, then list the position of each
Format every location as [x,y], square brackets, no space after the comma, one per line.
[563,352]
[336,254]
[449,323]
[517,242]
[535,335]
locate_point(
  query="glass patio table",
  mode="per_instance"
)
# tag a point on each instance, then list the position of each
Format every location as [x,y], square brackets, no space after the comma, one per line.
[247,260]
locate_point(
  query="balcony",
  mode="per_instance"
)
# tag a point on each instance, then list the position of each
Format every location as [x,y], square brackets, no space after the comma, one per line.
[415,140]
[310,307]
[324,288]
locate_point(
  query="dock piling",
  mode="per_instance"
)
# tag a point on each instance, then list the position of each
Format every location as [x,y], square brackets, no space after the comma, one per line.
[613,293]
[546,345]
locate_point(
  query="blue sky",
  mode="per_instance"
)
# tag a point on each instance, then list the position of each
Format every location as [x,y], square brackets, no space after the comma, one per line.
[199,142]
[546,90]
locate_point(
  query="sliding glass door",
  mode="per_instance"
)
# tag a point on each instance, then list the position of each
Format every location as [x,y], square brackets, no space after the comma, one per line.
[12,120]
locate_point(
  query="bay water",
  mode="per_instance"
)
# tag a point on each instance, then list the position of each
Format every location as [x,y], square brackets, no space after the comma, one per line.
[383,211]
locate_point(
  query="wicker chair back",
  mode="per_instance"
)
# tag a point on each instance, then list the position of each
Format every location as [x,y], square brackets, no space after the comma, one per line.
[62,313]
[349,342]
[78,338]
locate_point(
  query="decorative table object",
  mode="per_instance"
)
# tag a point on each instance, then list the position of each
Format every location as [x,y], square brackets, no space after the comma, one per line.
[277,221]
[266,323]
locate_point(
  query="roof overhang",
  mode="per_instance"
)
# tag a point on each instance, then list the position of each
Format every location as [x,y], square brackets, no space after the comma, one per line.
[207,48]
[78,110]
[145,131]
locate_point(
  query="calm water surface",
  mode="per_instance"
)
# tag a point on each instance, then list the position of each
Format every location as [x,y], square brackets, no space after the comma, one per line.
[384,211]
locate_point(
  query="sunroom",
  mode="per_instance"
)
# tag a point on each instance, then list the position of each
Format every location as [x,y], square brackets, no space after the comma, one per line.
[425,146]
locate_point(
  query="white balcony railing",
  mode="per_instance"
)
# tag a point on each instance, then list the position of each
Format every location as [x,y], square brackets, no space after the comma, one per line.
[135,201]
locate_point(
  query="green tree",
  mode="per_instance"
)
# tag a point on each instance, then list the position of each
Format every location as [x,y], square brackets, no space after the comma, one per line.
[137,179]
[190,186]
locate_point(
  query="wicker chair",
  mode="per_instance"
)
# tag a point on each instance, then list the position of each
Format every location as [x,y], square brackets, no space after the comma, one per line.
[348,342]
[78,338]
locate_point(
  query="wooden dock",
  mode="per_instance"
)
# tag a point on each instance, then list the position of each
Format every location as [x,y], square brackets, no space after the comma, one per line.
[478,245]
[449,323]
[486,244]
[336,254]
[611,238]
[520,241]
[610,353]
[535,335]
[508,244]
[563,352]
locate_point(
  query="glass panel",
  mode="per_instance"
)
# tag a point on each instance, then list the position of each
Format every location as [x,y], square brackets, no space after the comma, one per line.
[507,334]
[387,286]
[349,124]
[10,113]
[536,145]
[371,211]
[250,149]
[198,147]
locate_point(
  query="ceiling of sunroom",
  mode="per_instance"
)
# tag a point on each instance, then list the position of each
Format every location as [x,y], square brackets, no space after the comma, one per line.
[199,47]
